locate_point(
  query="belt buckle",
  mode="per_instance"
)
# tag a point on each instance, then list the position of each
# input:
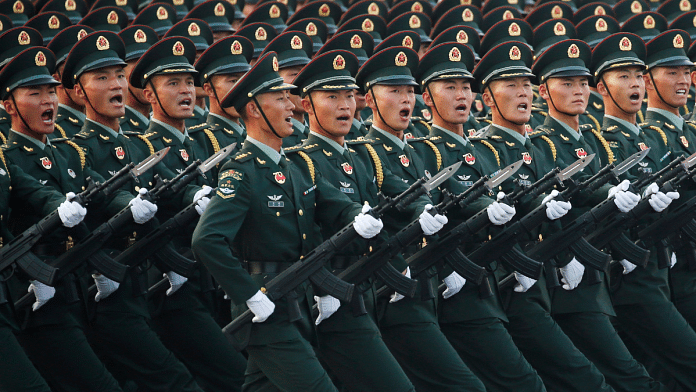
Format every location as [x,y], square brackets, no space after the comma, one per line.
[69,243]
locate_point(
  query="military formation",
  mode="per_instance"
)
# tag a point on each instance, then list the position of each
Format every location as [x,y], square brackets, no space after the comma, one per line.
[347,195]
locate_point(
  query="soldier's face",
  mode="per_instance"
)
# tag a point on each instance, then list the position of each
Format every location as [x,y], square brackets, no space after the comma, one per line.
[672,83]
[278,109]
[177,95]
[626,86]
[359,101]
[452,98]
[513,98]
[104,92]
[331,112]
[136,92]
[395,105]
[222,84]
[37,105]
[569,95]
[288,74]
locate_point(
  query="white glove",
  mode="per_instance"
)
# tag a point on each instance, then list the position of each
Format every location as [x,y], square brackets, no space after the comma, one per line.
[500,213]
[327,306]
[628,266]
[572,274]
[523,283]
[396,297]
[105,286]
[454,283]
[554,208]
[142,209]
[201,199]
[366,225]
[261,306]
[42,292]
[623,199]
[70,212]
[431,224]
[175,281]
[659,200]
[673,260]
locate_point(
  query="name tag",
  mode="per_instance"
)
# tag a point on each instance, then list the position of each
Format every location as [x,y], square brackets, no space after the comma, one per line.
[467,184]
[347,190]
[276,204]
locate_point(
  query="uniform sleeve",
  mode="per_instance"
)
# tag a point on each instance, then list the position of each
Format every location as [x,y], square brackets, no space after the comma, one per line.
[25,187]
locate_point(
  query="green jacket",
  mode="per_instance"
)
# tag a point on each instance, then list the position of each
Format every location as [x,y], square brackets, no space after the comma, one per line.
[67,124]
[132,122]
[300,132]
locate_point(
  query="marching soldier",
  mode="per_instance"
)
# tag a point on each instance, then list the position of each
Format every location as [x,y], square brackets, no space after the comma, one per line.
[137,39]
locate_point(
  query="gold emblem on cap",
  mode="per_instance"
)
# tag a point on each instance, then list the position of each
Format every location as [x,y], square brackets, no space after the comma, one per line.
[18,7]
[465,2]
[601,25]
[112,18]
[467,15]
[414,22]
[311,29]
[102,43]
[23,38]
[121,3]
[296,42]
[356,42]
[274,12]
[507,15]
[53,22]
[556,12]
[373,9]
[514,29]
[401,60]
[339,63]
[559,29]
[367,25]
[260,34]
[694,21]
[455,55]
[219,10]
[685,5]
[194,30]
[139,36]
[162,13]
[70,5]
[417,7]
[462,37]
[649,22]
[625,44]
[678,41]
[599,10]
[274,63]
[178,48]
[515,53]
[234,2]
[324,10]
[236,48]
[2,27]
[178,2]
[636,7]
[512,1]
[40,59]
[407,42]
[573,51]
[81,34]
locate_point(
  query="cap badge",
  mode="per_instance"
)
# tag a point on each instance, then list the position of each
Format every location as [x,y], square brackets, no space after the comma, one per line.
[311,29]
[112,18]
[236,48]
[514,29]
[194,30]
[178,2]
[401,60]
[507,15]
[573,51]
[139,36]
[465,2]
[467,15]
[636,7]
[324,10]
[600,10]
[18,7]
[81,34]
[678,41]
[40,59]
[407,42]
[373,9]
[685,5]
[462,37]
[274,63]
[121,3]
[296,43]
[367,25]
[559,29]
[649,22]
[414,22]
[24,38]
[274,12]
[339,63]
[53,22]
[601,25]
[70,5]
[417,7]
[219,10]
[625,44]
[162,13]
[102,43]
[455,55]
[515,53]
[556,12]
[260,34]
[178,49]
[356,42]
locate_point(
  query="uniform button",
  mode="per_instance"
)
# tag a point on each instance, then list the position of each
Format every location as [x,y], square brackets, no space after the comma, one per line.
[137,189]
[304,236]
[277,213]
[83,188]
[301,212]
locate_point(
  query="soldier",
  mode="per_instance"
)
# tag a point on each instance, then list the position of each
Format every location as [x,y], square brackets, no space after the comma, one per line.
[504,79]
[119,326]
[137,39]
[245,243]
[166,74]
[582,307]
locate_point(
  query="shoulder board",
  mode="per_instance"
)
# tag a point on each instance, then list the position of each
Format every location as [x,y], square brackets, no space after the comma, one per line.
[360,140]
[497,138]
[9,146]
[243,157]
[151,135]
[60,140]
[540,130]
[644,124]
[198,126]
[484,119]
[612,128]
[586,127]
[691,124]
[131,133]
[418,139]
[293,148]
[84,134]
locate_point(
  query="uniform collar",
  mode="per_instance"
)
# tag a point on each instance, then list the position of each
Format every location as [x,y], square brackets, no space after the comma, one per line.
[400,143]
[573,133]
[202,112]
[462,140]
[299,126]
[135,113]
[339,148]
[272,154]
[514,134]
[33,141]
[633,128]
[106,129]
[235,127]
[674,119]
[80,116]
[175,132]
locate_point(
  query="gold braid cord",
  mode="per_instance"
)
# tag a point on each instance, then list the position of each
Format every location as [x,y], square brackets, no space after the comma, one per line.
[438,156]
[551,145]
[594,120]
[213,140]
[83,159]
[378,165]
[495,152]
[3,139]
[4,162]
[605,144]
[661,132]
[62,132]
[310,164]
[147,142]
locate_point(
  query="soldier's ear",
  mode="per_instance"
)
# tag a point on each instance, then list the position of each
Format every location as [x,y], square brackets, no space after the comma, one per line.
[9,106]
[648,81]
[427,99]
[543,91]
[252,110]
[307,105]
[487,99]
[79,91]
[208,88]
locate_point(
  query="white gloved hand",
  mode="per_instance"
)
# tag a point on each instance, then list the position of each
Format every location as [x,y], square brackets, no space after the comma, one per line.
[572,274]
[261,306]
[500,213]
[366,225]
[70,212]
[142,210]
[523,283]
[659,201]
[554,208]
[201,199]
[623,199]
[628,266]
[175,281]
[454,283]
[673,260]
[105,286]
[327,306]
[42,292]
[431,224]
[396,297]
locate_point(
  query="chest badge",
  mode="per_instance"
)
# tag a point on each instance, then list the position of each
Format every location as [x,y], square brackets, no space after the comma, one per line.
[527,158]
[580,152]
[120,154]
[684,142]
[71,173]
[469,159]
[347,168]
[408,135]
[642,146]
[184,154]
[346,188]
[279,177]
[46,163]
[275,201]
[404,160]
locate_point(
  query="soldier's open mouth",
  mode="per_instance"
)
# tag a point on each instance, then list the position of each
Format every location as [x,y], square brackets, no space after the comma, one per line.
[185,102]
[288,119]
[522,107]
[405,113]
[47,116]
[635,96]
[461,108]
[343,118]
[117,99]
[681,91]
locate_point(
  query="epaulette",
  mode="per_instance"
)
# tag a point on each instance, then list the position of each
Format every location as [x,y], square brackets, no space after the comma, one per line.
[586,127]
[150,135]
[197,126]
[61,130]
[497,138]
[484,119]
[132,133]
[658,130]
[691,124]
[490,146]
[59,140]
[85,134]
[418,139]
[612,128]
[244,156]
[540,130]
[80,151]
[360,140]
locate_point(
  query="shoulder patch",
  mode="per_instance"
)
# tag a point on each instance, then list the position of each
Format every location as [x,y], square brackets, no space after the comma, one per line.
[227,185]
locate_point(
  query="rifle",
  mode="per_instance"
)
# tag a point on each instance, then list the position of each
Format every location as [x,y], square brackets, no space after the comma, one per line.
[312,266]
[17,250]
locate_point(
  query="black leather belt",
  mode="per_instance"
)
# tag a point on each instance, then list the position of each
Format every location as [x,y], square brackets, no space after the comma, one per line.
[265,267]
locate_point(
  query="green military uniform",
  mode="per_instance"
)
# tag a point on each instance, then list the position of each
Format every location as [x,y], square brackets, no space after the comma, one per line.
[233,240]
[5,125]
[119,329]
[53,336]
[197,340]
[559,363]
